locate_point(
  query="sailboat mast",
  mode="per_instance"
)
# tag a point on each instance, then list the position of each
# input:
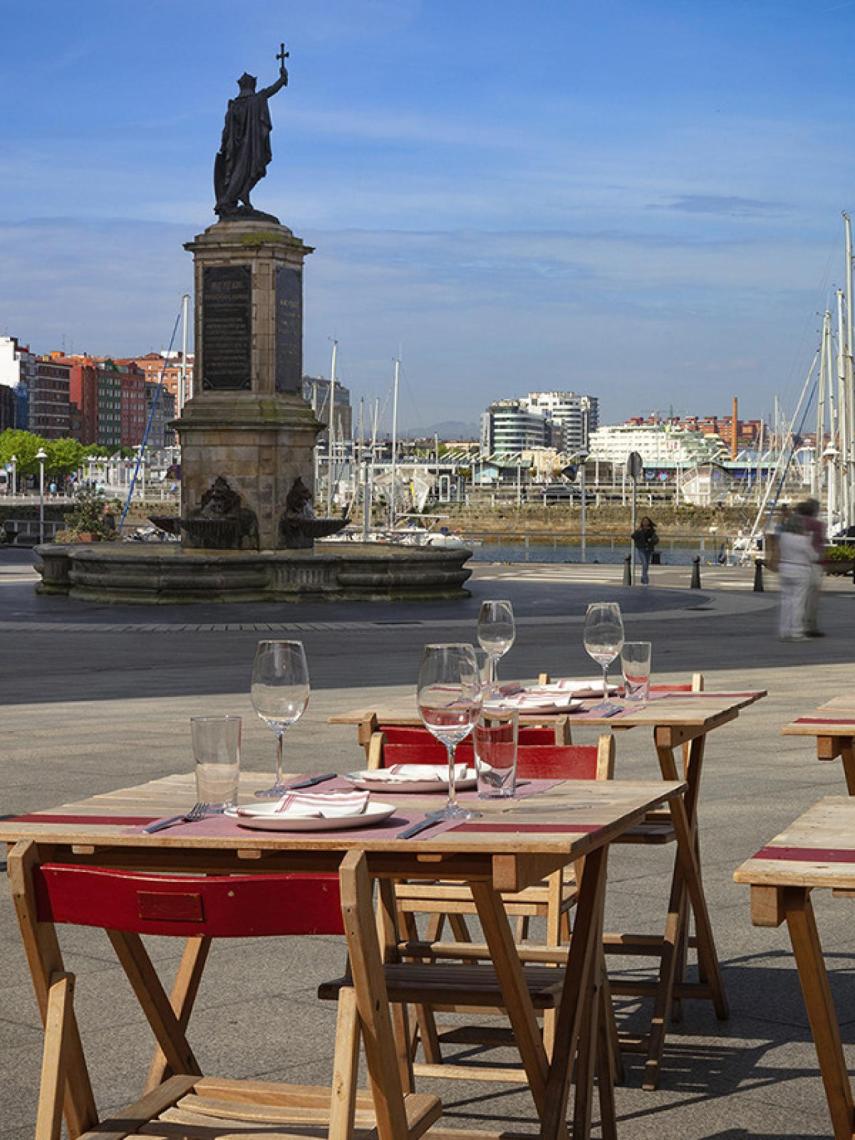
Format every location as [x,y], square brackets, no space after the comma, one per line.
[819,437]
[395,384]
[847,370]
[331,430]
[842,413]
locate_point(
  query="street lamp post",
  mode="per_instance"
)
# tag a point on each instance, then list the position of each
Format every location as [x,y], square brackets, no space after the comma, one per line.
[41,455]
[14,461]
[583,491]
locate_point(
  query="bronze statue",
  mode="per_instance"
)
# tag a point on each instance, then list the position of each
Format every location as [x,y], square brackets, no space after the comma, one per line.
[221,521]
[298,501]
[245,152]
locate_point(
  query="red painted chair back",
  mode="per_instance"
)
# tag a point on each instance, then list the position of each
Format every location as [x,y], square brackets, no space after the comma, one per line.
[218,906]
[557,761]
[410,744]
[534,761]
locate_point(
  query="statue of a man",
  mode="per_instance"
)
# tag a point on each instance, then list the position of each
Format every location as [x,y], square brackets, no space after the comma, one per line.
[245,148]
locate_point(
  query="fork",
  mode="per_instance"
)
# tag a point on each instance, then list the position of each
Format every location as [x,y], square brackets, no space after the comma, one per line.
[196,812]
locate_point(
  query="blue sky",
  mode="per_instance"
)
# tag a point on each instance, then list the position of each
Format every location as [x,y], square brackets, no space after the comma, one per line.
[640,200]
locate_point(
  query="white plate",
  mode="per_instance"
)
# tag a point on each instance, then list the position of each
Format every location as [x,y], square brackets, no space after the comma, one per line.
[370,781]
[537,702]
[264,817]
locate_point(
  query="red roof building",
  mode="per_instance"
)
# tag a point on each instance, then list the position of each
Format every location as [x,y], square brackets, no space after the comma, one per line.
[133,382]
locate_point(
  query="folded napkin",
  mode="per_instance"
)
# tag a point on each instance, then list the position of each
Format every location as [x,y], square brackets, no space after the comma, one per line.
[319,805]
[577,687]
[408,772]
[533,700]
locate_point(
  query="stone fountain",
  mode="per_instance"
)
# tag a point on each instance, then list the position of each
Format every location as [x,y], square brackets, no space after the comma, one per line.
[247,524]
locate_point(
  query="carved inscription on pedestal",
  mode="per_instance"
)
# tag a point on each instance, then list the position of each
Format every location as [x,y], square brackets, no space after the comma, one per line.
[289,329]
[227,327]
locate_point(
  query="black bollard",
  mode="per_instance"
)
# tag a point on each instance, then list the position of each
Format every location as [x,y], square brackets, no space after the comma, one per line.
[758,576]
[627,570]
[695,583]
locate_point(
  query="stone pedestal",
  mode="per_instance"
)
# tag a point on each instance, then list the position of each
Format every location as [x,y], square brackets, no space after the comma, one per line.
[246,433]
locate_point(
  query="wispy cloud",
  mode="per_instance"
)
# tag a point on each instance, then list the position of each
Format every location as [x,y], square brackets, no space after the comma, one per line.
[727,205]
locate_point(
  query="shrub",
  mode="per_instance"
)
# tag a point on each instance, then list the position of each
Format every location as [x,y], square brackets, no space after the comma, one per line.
[89,516]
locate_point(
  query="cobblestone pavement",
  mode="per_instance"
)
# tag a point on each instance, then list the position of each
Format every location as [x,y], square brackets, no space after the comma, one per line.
[99,699]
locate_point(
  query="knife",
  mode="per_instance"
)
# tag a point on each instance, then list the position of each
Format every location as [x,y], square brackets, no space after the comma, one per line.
[310,781]
[173,821]
[415,828]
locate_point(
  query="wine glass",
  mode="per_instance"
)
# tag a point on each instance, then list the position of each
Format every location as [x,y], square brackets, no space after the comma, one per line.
[496,633]
[280,694]
[603,636]
[449,699]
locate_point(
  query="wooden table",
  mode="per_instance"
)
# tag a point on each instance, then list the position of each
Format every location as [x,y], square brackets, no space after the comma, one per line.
[833,727]
[818,850]
[515,844]
[680,721]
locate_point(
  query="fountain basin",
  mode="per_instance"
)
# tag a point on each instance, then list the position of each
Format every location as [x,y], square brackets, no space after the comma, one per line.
[168,574]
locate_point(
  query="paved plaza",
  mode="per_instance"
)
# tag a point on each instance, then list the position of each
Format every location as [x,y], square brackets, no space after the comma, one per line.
[95,698]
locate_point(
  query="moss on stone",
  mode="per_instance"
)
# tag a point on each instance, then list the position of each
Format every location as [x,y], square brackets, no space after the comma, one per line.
[265,237]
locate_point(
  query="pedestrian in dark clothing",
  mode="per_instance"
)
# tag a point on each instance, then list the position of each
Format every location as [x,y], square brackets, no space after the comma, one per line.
[808,511]
[645,539]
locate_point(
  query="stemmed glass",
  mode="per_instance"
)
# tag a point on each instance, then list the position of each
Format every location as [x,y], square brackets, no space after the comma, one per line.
[496,633]
[449,699]
[603,636]
[280,694]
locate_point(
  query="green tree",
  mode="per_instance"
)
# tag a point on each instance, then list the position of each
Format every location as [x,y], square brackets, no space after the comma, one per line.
[64,456]
[24,445]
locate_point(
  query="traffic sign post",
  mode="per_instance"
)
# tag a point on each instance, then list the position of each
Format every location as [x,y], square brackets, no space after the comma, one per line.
[576,470]
[635,471]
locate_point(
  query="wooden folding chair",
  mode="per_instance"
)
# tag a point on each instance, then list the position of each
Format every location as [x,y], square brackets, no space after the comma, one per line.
[551,900]
[474,987]
[179,1100]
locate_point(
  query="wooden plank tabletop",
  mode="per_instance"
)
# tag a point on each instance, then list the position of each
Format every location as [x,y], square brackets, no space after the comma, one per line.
[841,701]
[823,721]
[569,819]
[816,850]
[693,710]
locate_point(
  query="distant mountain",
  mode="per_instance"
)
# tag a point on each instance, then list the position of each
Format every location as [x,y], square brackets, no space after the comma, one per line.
[445,429]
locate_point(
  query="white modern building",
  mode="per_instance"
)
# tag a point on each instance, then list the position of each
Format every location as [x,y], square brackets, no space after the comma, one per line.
[575,416]
[508,426]
[17,364]
[656,444]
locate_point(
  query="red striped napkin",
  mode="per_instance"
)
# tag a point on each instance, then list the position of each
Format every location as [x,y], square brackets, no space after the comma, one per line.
[416,772]
[323,805]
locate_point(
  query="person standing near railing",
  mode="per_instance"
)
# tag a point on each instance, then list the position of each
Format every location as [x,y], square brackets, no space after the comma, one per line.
[645,539]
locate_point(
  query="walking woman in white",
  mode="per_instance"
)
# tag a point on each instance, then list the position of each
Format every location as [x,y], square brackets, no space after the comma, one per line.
[796,559]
